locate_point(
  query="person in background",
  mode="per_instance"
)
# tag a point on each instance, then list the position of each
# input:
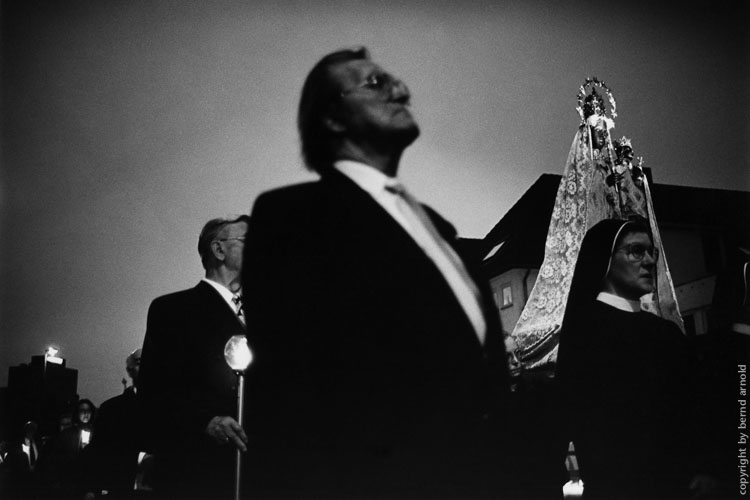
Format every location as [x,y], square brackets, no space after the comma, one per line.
[61,466]
[18,464]
[6,475]
[117,448]
[626,375]
[64,420]
[725,358]
[85,412]
[379,367]
[187,391]
[3,451]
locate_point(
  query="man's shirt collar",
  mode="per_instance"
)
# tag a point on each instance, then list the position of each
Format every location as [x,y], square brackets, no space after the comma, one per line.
[225,293]
[368,178]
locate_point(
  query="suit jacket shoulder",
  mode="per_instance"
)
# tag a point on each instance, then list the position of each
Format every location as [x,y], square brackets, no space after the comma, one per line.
[288,200]
[191,295]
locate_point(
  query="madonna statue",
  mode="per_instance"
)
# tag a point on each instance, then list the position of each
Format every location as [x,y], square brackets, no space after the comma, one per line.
[600,181]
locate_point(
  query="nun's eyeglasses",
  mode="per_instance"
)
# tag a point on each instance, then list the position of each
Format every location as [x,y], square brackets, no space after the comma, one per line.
[636,252]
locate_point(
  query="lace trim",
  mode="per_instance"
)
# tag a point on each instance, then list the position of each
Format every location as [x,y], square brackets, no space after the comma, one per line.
[583,199]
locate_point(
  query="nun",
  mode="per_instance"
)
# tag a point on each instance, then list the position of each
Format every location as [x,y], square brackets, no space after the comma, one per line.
[625,374]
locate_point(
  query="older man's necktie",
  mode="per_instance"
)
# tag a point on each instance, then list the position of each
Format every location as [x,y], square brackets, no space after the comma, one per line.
[237,299]
[442,254]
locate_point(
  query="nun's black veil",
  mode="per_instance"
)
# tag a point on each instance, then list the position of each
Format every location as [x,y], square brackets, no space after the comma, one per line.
[591,268]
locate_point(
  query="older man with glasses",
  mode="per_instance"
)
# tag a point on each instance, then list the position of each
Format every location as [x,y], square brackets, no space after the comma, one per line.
[187,391]
[379,366]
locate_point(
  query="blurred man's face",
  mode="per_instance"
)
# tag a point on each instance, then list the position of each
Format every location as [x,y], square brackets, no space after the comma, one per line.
[84,413]
[514,362]
[30,429]
[374,105]
[65,422]
[133,365]
[232,239]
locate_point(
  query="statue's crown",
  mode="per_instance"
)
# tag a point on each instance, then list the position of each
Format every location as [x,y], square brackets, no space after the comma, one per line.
[623,142]
[593,103]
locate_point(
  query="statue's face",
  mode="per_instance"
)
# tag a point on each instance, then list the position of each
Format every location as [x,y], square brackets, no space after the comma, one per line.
[593,105]
[627,153]
[598,131]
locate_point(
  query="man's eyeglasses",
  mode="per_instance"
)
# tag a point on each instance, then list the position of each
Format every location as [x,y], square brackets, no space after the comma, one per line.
[239,238]
[380,83]
[636,251]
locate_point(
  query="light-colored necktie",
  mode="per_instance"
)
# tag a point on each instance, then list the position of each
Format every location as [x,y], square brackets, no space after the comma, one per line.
[442,254]
[237,299]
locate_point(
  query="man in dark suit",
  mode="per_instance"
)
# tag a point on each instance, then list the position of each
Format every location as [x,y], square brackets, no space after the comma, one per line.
[379,366]
[188,393]
[112,459]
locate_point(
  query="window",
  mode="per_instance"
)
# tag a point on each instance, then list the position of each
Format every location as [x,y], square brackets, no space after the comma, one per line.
[689,321]
[507,296]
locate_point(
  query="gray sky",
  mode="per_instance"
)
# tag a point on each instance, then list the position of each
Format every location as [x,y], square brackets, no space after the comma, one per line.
[128,124]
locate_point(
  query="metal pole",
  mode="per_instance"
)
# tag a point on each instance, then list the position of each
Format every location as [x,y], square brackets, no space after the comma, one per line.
[240,412]
[612,158]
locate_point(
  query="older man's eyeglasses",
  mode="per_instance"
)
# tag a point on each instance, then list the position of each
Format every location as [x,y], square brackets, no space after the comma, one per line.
[637,251]
[239,238]
[380,83]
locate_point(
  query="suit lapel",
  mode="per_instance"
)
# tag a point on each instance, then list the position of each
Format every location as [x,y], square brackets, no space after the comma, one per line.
[358,206]
[366,218]
[219,307]
[365,215]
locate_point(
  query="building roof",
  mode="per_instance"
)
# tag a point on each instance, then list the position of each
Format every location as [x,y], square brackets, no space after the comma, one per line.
[522,231]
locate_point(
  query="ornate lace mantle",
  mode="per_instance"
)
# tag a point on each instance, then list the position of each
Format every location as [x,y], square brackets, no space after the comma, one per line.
[583,199]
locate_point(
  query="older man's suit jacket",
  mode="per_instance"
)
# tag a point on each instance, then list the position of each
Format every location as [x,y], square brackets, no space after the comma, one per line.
[368,378]
[183,383]
[111,460]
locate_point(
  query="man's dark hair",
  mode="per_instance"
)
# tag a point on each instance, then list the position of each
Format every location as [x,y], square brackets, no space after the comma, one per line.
[319,93]
[209,233]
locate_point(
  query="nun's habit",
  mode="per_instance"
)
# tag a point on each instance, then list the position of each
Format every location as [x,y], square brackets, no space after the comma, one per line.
[625,377]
